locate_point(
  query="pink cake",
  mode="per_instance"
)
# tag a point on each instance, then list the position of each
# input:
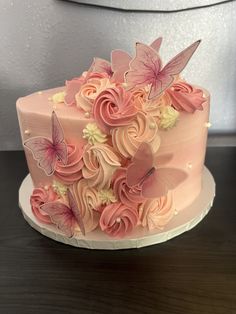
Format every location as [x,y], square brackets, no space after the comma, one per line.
[118,148]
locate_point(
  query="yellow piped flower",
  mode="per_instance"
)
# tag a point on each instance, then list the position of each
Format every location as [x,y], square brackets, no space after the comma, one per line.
[169,117]
[107,197]
[93,134]
[58,97]
[59,188]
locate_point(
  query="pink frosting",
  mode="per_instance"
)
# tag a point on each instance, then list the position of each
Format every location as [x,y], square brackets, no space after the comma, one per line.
[72,88]
[118,220]
[156,213]
[39,197]
[113,107]
[72,171]
[185,97]
[88,203]
[129,197]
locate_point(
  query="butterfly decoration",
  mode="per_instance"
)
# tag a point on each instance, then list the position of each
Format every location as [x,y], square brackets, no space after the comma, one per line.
[66,218]
[45,151]
[120,61]
[144,173]
[146,68]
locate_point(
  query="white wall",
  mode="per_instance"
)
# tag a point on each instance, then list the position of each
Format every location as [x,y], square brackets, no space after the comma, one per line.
[44,42]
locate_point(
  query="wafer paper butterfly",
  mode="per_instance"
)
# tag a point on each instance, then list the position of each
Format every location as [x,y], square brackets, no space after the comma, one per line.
[145,173]
[146,68]
[66,218]
[45,151]
[120,61]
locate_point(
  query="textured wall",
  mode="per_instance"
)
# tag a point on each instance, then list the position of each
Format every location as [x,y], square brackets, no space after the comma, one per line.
[44,42]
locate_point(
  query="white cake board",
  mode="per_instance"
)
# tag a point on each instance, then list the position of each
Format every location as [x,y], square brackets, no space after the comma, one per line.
[185,220]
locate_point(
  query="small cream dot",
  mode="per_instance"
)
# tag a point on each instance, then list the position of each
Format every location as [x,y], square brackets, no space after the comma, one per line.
[189,165]
[176,212]
[118,220]
[40,92]
[49,98]
[27,132]
[54,107]
[208,124]
[152,125]
[87,114]
[46,187]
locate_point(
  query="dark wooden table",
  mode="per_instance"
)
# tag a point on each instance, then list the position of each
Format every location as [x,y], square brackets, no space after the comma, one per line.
[193,273]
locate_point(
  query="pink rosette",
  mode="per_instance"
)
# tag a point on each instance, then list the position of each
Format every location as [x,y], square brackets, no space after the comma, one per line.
[114,107]
[129,197]
[72,171]
[72,88]
[156,213]
[39,197]
[118,220]
[185,97]
[89,91]
[100,162]
[88,203]
[127,139]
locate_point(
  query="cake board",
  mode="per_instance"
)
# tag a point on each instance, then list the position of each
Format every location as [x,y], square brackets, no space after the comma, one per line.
[185,220]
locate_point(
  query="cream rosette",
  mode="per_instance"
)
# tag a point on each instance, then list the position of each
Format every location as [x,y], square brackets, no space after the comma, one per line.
[100,162]
[88,203]
[151,107]
[89,91]
[127,139]
[156,213]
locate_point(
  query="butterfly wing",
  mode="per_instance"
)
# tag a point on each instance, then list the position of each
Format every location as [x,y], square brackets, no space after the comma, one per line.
[102,66]
[156,44]
[161,181]
[72,88]
[144,67]
[120,64]
[166,76]
[43,152]
[161,160]
[76,211]
[142,162]
[58,139]
[62,216]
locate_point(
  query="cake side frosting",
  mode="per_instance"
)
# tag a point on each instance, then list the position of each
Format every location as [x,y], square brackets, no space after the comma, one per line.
[114,152]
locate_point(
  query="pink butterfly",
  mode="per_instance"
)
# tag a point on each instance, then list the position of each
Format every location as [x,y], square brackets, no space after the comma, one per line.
[146,68]
[120,61]
[66,218]
[46,152]
[154,182]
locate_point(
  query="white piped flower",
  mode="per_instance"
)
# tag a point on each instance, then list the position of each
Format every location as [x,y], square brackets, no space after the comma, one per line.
[58,97]
[107,197]
[169,117]
[93,134]
[59,188]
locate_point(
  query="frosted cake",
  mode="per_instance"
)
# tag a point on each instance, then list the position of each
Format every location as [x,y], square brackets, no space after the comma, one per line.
[119,148]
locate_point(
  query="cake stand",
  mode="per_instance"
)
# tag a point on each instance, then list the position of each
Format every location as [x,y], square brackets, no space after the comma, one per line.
[185,220]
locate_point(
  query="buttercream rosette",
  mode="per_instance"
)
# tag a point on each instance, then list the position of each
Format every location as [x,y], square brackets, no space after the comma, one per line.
[127,139]
[156,213]
[185,97]
[118,220]
[100,162]
[114,107]
[39,197]
[72,171]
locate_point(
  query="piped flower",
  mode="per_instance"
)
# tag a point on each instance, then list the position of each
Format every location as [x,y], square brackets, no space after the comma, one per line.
[58,97]
[59,188]
[168,118]
[93,134]
[107,196]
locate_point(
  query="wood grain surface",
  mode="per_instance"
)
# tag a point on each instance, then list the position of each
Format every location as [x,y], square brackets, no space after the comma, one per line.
[194,273]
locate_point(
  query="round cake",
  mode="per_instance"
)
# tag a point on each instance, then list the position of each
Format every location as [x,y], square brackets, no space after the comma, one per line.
[118,149]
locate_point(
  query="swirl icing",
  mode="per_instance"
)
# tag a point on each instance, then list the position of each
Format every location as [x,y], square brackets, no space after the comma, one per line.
[100,162]
[126,195]
[185,97]
[70,172]
[156,213]
[88,202]
[90,90]
[127,139]
[114,107]
[39,197]
[118,220]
